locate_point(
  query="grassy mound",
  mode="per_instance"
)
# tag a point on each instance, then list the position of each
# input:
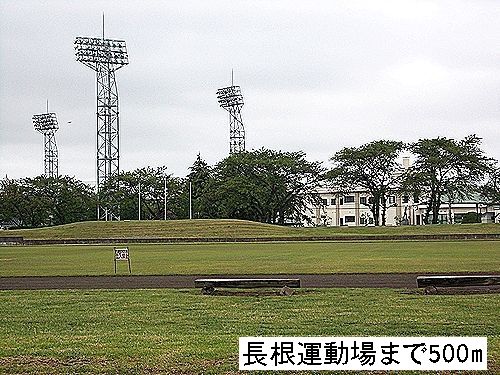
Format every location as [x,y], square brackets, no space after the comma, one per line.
[156,229]
[230,229]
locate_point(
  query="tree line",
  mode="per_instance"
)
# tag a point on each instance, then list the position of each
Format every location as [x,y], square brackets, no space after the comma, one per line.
[444,171]
[265,185]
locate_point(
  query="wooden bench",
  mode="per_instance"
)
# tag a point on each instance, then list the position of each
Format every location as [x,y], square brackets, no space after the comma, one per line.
[208,285]
[431,283]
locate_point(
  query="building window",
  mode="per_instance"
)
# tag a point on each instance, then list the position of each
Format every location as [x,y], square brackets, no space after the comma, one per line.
[324,202]
[443,218]
[362,220]
[370,200]
[349,199]
[332,201]
[392,199]
[406,198]
[363,200]
[349,219]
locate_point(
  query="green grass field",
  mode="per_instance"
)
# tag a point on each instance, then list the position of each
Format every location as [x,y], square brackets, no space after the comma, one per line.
[184,332]
[228,229]
[263,258]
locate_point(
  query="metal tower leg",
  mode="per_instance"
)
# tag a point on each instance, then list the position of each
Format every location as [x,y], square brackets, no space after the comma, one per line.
[108,154]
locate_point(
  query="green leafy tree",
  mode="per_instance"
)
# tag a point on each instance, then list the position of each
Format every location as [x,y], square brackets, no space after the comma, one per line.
[124,188]
[20,206]
[446,170]
[70,200]
[177,198]
[40,201]
[372,166]
[266,185]
[490,191]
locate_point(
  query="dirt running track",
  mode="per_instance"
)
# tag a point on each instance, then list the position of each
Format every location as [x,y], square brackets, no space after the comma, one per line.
[395,280]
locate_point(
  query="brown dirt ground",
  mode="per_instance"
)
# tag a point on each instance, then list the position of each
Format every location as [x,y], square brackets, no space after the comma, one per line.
[379,280]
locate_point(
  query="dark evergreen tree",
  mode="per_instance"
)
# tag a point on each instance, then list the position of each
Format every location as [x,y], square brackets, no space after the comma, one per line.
[202,189]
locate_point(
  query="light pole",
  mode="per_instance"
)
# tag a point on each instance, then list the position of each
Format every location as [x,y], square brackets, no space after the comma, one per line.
[231,99]
[105,57]
[139,201]
[46,123]
[165,198]
[190,201]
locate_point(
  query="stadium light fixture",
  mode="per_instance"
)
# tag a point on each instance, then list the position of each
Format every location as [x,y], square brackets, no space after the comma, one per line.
[231,99]
[46,123]
[105,56]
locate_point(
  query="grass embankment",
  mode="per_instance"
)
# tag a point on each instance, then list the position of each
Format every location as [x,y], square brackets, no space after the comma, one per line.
[255,258]
[229,229]
[183,332]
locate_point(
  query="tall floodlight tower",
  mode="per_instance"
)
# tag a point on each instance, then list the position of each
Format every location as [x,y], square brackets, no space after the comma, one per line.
[231,100]
[105,56]
[46,123]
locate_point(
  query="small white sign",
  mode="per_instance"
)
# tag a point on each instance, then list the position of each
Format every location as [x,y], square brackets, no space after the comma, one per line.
[121,253]
[363,353]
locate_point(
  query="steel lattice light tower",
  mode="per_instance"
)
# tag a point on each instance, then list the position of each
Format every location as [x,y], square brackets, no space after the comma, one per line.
[231,100]
[105,56]
[46,123]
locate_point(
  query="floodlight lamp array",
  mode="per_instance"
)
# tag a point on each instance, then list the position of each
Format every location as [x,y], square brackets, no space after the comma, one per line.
[90,51]
[45,122]
[230,96]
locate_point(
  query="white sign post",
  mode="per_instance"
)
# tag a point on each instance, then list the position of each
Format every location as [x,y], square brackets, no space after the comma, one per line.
[121,253]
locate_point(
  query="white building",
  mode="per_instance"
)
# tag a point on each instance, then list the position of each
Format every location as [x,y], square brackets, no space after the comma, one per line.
[351,209]
[454,213]
[339,208]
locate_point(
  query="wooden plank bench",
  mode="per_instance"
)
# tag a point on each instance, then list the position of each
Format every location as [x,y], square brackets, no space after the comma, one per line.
[208,285]
[431,283]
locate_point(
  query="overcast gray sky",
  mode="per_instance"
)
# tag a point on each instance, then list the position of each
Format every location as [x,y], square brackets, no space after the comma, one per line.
[316,76]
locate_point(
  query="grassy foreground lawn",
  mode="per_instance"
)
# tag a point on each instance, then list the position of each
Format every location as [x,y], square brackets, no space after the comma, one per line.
[202,228]
[182,331]
[255,258]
